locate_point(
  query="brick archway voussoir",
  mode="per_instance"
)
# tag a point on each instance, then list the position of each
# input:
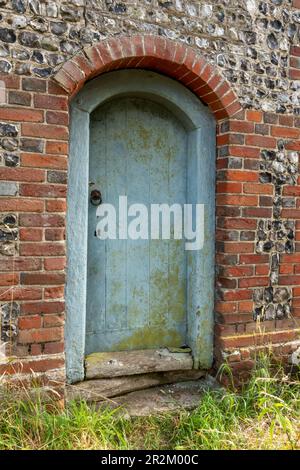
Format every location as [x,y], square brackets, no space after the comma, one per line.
[156,53]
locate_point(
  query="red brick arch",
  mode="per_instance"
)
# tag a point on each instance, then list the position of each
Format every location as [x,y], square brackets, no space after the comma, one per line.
[156,53]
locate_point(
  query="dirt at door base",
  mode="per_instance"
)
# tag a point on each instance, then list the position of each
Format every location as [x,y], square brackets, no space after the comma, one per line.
[162,399]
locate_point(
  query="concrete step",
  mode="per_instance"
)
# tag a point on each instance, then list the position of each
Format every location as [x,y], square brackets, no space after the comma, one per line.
[162,399]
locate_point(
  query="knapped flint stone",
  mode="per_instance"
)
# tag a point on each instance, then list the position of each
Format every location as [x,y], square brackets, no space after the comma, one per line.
[57,177]
[29,39]
[281,295]
[8,130]
[22,68]
[4,50]
[50,44]
[44,73]
[10,220]
[11,159]
[19,22]
[5,66]
[19,5]
[38,57]
[279,311]
[9,313]
[272,41]
[39,24]
[9,144]
[8,248]
[275,261]
[289,246]
[265,177]
[274,278]
[258,295]
[70,14]
[20,54]
[268,294]
[270,312]
[7,35]
[258,313]
[268,246]
[58,27]
[8,235]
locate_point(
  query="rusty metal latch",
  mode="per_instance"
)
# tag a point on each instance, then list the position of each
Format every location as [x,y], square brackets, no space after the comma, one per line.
[96,197]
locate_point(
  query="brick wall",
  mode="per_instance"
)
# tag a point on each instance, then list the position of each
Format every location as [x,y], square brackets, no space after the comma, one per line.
[257,192]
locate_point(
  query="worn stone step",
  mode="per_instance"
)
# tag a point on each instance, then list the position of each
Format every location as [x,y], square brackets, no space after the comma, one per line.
[99,389]
[162,399]
[116,364]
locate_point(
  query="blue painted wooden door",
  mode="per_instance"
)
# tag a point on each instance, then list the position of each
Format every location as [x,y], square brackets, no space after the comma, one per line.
[136,289]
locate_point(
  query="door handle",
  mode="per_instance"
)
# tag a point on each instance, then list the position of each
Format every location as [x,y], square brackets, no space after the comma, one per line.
[96,197]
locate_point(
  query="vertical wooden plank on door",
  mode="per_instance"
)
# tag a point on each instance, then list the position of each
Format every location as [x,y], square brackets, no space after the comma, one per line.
[95,318]
[138,143]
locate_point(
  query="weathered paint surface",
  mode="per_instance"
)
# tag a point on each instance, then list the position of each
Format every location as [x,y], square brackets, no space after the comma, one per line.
[136,289]
[200,130]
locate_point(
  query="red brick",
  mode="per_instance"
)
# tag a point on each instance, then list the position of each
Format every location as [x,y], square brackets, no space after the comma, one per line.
[44,161]
[42,308]
[232,200]
[294,74]
[253,115]
[289,280]
[21,293]
[31,234]
[262,270]
[54,264]
[42,220]
[260,141]
[257,212]
[244,151]
[295,50]
[56,117]
[286,132]
[254,282]
[19,98]
[238,294]
[51,102]
[238,271]
[34,84]
[30,322]
[54,234]
[41,335]
[254,259]
[11,81]
[53,320]
[252,188]
[42,278]
[240,223]
[20,264]
[241,126]
[42,249]
[56,206]
[243,247]
[43,190]
[241,175]
[54,292]
[57,148]
[21,114]
[54,348]
[22,174]
[45,130]
[225,187]
[9,279]
[21,205]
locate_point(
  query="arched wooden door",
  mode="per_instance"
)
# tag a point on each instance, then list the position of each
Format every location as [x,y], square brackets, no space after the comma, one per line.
[136,288]
[140,135]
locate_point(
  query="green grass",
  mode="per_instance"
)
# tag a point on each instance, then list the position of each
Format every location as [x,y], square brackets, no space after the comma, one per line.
[264,414]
